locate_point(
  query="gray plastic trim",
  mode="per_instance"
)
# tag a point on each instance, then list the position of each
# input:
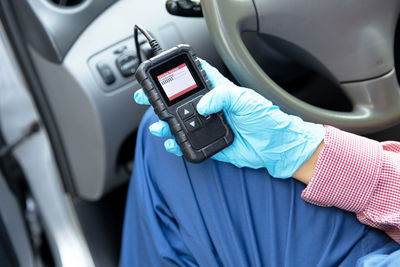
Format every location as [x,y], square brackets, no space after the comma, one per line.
[226,19]
[36,158]
[52,30]
[352,39]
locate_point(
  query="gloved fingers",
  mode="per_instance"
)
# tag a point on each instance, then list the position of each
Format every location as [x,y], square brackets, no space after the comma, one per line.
[172,147]
[215,77]
[141,98]
[215,100]
[160,129]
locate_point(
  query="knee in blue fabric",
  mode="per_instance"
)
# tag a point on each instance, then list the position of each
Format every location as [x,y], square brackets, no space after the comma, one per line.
[215,214]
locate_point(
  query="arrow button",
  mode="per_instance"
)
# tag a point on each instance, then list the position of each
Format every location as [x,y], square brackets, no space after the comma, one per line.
[186,111]
[192,124]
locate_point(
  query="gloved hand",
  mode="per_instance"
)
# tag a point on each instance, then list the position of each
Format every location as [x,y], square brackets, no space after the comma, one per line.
[265,137]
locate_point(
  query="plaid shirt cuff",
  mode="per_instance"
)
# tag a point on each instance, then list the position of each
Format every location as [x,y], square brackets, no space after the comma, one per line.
[347,171]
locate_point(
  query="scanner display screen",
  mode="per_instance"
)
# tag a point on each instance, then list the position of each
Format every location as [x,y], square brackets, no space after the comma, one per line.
[177,81]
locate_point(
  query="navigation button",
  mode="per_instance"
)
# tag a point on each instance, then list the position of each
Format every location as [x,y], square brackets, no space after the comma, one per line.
[192,124]
[186,111]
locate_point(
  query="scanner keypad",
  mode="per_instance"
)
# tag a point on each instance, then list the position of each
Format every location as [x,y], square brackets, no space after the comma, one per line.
[191,118]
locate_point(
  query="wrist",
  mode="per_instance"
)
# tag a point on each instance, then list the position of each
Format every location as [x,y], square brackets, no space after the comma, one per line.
[305,172]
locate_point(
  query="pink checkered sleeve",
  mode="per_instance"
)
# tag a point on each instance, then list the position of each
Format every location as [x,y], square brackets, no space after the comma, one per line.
[361,175]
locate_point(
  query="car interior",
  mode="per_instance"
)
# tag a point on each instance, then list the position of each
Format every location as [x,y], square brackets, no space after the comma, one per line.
[75,60]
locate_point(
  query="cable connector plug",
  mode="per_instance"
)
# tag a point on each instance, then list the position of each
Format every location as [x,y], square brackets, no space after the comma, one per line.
[155,47]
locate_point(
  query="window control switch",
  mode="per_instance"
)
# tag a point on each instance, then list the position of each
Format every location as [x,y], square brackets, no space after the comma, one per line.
[106,73]
[127,63]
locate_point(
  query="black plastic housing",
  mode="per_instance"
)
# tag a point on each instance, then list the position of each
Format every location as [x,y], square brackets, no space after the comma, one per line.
[214,133]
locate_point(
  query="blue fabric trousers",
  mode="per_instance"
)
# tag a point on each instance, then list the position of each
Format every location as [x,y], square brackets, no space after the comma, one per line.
[215,214]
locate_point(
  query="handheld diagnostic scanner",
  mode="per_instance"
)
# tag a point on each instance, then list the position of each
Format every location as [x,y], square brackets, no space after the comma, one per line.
[174,82]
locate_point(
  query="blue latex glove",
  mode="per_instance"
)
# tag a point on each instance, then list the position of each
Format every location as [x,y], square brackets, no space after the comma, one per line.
[265,137]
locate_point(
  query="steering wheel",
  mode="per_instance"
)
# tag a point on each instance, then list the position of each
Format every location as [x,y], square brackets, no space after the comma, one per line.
[353,40]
